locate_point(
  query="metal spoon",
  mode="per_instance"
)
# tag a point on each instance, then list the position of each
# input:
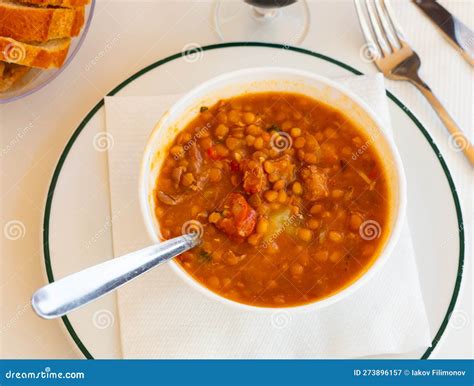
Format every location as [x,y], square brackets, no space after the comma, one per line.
[73,291]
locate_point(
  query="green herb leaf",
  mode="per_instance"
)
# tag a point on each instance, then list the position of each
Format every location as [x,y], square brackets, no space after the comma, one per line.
[205,256]
[273,127]
[203,108]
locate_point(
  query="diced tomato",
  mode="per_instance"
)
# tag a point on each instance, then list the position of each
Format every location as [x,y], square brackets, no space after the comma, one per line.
[212,153]
[240,218]
[373,174]
[234,166]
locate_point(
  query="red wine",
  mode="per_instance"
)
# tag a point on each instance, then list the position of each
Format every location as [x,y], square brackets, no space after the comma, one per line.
[270,3]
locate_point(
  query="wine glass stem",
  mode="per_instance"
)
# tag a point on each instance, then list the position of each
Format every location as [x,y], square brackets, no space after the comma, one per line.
[265,13]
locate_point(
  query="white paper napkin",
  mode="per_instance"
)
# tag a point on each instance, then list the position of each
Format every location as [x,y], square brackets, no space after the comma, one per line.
[163,317]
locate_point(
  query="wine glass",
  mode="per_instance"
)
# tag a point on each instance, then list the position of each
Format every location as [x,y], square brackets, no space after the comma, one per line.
[275,21]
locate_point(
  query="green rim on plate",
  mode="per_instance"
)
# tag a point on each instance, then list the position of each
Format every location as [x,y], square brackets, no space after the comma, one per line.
[88,117]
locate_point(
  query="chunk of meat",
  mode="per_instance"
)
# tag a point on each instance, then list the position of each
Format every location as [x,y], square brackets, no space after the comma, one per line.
[201,180]
[315,183]
[176,175]
[238,217]
[329,153]
[254,177]
[195,158]
[168,199]
[284,167]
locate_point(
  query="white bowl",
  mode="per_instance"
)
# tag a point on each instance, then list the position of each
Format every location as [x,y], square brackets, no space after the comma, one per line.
[274,79]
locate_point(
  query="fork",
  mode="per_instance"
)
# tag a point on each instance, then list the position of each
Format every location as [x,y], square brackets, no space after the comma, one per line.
[394,57]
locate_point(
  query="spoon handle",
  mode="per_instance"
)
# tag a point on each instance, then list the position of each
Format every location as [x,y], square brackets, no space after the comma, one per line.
[73,291]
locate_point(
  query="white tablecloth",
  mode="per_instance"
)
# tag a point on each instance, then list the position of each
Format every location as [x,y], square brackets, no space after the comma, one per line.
[126,36]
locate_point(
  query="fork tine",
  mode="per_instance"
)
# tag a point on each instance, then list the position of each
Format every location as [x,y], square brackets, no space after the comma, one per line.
[374,48]
[385,20]
[375,22]
[393,22]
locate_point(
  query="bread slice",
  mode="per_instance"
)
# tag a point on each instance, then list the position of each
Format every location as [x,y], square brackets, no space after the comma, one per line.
[51,54]
[36,24]
[11,74]
[56,3]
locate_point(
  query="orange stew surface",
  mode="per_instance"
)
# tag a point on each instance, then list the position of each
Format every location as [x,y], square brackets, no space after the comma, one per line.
[289,196]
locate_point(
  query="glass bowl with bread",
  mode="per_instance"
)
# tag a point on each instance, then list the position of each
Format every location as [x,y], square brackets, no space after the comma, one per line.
[38,38]
[290,180]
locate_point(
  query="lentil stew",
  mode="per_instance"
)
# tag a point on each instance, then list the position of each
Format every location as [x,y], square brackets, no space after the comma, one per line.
[290,198]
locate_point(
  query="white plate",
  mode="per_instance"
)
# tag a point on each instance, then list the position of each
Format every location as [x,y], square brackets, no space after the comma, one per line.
[77,226]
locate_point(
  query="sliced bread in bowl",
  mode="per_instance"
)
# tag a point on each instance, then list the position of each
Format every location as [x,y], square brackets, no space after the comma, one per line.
[50,54]
[56,3]
[11,74]
[37,24]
